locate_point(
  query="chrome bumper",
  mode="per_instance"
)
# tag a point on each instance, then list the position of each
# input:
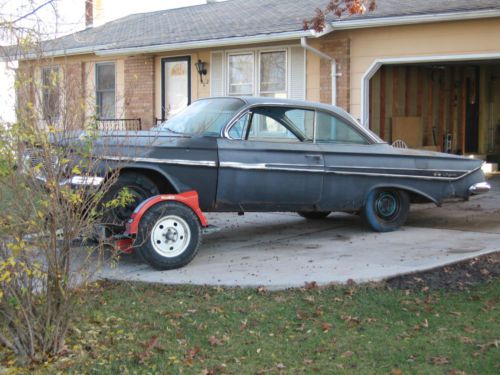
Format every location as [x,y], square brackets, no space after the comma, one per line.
[83,181]
[479,188]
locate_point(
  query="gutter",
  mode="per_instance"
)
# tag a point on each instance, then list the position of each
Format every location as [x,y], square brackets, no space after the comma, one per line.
[348,24]
[209,43]
[333,62]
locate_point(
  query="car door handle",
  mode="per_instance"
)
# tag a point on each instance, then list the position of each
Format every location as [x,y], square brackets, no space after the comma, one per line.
[313,156]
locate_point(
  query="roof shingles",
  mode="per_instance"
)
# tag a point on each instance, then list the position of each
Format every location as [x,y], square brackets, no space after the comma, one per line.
[235,18]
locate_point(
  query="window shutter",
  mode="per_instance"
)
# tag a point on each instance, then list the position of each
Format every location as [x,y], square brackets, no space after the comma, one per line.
[217,74]
[297,76]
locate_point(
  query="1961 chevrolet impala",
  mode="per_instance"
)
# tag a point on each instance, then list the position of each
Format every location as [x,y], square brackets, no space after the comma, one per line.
[263,154]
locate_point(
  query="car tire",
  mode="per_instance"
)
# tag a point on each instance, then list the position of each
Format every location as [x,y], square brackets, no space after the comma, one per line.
[314,215]
[169,236]
[141,188]
[386,210]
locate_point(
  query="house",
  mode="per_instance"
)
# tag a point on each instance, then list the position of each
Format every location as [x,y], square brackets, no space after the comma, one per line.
[426,72]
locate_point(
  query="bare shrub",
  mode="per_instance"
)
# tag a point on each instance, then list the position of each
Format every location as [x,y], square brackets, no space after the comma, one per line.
[50,200]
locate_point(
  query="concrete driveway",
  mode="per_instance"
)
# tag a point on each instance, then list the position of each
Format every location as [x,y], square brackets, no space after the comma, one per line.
[280,250]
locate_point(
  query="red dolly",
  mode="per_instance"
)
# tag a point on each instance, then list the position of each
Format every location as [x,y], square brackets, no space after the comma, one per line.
[165,230]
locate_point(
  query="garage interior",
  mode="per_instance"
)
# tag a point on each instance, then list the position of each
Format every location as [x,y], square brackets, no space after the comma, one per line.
[449,107]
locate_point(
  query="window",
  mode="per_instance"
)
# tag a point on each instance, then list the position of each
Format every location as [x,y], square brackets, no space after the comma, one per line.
[280,124]
[105,90]
[273,74]
[238,130]
[267,68]
[275,123]
[50,93]
[303,120]
[333,129]
[205,116]
[240,74]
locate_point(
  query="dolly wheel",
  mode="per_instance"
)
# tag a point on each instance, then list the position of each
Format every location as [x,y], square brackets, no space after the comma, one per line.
[169,235]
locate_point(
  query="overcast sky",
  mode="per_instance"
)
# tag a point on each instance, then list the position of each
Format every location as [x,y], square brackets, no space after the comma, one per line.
[70,14]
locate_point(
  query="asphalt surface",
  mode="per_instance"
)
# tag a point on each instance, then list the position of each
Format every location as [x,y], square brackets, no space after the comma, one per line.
[282,250]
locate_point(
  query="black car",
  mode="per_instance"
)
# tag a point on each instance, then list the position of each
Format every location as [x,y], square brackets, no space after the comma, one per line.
[264,154]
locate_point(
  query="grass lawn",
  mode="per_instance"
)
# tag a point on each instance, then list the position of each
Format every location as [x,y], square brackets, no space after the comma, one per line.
[138,328]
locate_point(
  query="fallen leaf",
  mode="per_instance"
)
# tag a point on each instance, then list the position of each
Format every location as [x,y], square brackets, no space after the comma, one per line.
[347,354]
[396,371]
[484,272]
[190,354]
[261,290]
[469,329]
[325,327]
[466,340]
[214,341]
[148,349]
[310,285]
[440,360]
[353,320]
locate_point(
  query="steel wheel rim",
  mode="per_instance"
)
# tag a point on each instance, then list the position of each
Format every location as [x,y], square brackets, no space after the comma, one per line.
[170,236]
[387,206]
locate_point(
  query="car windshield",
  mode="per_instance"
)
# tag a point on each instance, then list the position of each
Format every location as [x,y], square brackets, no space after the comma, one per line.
[204,117]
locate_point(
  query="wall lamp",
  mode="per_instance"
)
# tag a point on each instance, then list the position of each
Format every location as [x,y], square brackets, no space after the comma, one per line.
[201,69]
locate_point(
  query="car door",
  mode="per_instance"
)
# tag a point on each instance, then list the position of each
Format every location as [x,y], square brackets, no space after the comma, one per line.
[345,151]
[269,162]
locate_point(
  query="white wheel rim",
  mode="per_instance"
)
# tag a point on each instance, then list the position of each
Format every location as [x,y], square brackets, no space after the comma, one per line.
[170,236]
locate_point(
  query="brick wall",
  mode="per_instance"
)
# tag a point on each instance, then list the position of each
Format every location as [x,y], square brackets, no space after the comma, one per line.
[139,89]
[73,93]
[340,50]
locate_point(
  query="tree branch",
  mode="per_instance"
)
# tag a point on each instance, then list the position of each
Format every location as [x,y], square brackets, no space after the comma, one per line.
[33,11]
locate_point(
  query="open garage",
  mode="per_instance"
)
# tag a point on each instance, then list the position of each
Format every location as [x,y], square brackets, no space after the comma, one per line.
[444,106]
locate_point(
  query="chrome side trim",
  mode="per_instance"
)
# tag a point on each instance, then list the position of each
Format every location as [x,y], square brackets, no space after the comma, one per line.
[480,188]
[308,168]
[273,167]
[406,169]
[194,163]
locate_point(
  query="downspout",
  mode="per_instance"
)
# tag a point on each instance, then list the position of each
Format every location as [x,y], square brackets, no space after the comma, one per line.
[333,62]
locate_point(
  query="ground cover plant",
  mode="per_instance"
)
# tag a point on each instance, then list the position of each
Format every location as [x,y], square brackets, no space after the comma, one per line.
[361,329]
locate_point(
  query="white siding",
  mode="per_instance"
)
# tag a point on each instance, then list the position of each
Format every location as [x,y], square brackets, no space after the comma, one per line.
[217,74]
[297,74]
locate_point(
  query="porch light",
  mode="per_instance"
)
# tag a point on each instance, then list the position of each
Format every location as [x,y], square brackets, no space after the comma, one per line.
[201,69]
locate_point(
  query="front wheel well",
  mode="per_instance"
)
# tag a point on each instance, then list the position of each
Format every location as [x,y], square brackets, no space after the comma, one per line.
[162,183]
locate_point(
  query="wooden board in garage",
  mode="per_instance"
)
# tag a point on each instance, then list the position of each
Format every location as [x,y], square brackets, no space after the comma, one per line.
[408,129]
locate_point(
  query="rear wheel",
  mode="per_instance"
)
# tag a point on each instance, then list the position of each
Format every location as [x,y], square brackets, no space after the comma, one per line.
[169,235]
[314,215]
[386,210]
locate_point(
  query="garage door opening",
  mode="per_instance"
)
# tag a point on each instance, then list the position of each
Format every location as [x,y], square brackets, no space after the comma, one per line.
[450,107]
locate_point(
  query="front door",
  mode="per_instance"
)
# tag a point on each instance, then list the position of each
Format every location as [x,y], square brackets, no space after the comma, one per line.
[176,85]
[269,166]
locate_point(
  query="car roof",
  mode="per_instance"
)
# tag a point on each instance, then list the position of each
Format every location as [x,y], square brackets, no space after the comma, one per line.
[260,100]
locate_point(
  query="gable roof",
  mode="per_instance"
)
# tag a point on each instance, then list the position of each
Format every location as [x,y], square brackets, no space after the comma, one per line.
[248,21]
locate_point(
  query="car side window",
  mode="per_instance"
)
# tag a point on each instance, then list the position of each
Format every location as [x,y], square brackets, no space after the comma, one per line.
[238,130]
[266,128]
[303,120]
[333,129]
